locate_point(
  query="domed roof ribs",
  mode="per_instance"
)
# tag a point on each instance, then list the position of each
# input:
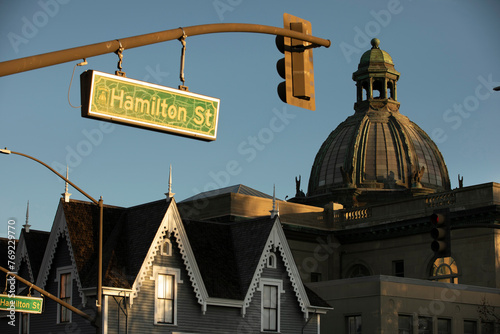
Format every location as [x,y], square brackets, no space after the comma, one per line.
[402,152]
[377,154]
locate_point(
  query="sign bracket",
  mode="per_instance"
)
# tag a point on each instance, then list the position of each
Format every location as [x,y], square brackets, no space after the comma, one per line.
[182,39]
[119,52]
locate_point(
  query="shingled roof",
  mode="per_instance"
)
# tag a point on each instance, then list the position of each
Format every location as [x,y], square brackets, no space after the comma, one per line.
[35,242]
[127,235]
[227,255]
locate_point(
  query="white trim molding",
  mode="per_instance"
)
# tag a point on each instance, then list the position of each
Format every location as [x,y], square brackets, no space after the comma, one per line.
[59,272]
[176,273]
[172,225]
[278,284]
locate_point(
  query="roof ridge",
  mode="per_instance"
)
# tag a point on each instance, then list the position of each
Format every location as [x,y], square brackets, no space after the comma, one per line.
[146,204]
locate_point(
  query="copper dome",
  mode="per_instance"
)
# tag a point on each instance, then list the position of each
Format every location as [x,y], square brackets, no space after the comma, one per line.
[376,154]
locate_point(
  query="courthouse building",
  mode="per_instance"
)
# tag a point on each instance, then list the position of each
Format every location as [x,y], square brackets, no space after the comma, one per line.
[361,234]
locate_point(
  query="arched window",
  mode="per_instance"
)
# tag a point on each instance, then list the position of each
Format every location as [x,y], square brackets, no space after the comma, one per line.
[271,261]
[358,270]
[166,247]
[444,269]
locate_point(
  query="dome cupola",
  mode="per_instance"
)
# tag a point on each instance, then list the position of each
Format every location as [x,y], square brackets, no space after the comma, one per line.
[377,154]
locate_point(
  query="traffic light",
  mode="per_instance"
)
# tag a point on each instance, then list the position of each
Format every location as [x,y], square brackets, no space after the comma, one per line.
[297,66]
[440,233]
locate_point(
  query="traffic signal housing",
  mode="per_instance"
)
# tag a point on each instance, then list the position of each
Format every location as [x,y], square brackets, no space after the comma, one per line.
[297,65]
[440,233]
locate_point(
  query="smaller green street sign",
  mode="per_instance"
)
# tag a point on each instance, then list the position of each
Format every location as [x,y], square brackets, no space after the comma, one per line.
[21,304]
[137,103]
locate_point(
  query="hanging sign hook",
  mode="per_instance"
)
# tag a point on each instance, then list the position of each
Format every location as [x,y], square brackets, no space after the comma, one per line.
[182,39]
[119,52]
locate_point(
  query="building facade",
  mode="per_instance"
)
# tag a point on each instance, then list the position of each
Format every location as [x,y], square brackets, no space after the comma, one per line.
[361,234]
[163,274]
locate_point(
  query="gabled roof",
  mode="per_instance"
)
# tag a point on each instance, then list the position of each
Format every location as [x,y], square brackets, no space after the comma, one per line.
[231,258]
[4,260]
[227,254]
[128,234]
[82,221]
[236,189]
[31,248]
[224,261]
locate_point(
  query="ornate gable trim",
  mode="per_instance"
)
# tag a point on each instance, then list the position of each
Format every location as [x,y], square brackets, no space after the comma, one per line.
[59,229]
[21,256]
[277,240]
[172,223]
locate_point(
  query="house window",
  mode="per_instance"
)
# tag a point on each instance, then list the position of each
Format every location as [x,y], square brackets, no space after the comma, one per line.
[270,308]
[65,287]
[353,324]
[424,325]
[166,285]
[470,327]
[271,261]
[165,299]
[315,277]
[398,268]
[405,324]
[166,247]
[445,270]
[271,290]
[444,326]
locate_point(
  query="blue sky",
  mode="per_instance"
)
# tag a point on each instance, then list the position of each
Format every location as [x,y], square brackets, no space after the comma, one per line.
[447,52]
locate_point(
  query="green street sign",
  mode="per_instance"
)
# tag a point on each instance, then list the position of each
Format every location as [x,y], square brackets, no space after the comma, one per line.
[21,304]
[137,103]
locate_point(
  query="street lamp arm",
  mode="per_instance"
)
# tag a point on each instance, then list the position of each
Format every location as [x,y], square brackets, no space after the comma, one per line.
[6,151]
[87,51]
[97,321]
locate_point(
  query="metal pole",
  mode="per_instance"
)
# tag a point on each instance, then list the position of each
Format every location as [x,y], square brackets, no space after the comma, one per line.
[99,271]
[63,56]
[49,295]
[100,204]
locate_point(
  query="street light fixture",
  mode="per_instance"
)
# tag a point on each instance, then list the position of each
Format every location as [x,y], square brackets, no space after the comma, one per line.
[99,203]
[497,88]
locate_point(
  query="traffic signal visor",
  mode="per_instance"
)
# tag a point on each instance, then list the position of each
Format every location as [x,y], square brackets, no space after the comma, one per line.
[440,234]
[297,66]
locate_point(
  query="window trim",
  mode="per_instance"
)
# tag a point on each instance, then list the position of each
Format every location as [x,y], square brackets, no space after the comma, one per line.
[395,265]
[426,317]
[271,261]
[354,316]
[449,324]
[410,317]
[168,245]
[176,272]
[446,262]
[59,272]
[471,321]
[279,285]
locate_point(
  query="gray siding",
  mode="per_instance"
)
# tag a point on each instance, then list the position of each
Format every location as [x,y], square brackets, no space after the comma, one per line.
[189,313]
[118,312]
[47,321]
[217,319]
[292,318]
